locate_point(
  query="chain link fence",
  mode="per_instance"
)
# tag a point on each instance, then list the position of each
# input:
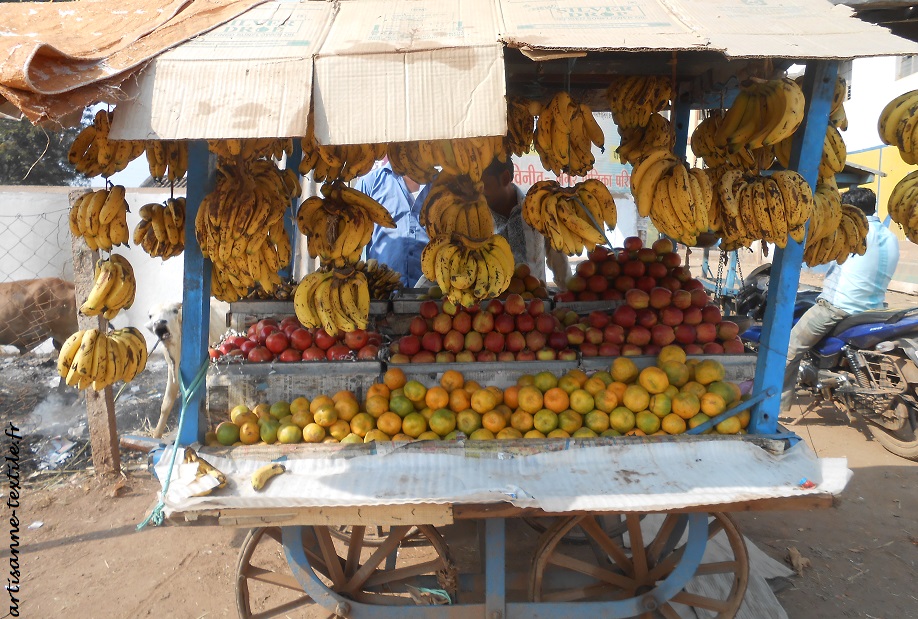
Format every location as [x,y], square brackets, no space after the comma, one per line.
[35,245]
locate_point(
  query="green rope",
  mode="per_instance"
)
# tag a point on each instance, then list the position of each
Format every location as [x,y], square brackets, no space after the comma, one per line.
[442,593]
[156,516]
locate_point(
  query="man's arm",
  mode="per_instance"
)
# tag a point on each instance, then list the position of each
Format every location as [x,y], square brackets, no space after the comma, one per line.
[558,263]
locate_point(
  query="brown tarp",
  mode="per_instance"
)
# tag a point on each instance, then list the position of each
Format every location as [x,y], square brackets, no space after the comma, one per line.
[59,57]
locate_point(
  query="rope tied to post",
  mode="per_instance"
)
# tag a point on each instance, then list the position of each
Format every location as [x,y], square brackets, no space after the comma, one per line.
[156,515]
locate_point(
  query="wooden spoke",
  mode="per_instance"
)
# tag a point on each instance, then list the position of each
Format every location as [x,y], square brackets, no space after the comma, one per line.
[355,545]
[588,569]
[638,553]
[396,534]
[608,545]
[659,541]
[668,611]
[272,578]
[574,594]
[260,562]
[700,601]
[715,527]
[283,608]
[667,565]
[721,567]
[401,574]
[330,557]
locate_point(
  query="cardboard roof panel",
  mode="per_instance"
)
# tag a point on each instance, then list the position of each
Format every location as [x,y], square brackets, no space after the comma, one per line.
[251,77]
[410,70]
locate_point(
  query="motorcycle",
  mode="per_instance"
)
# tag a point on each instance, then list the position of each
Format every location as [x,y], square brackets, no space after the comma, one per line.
[867,366]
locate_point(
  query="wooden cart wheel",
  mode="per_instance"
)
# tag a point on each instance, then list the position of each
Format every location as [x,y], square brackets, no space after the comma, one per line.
[378,574]
[613,524]
[613,570]
[373,536]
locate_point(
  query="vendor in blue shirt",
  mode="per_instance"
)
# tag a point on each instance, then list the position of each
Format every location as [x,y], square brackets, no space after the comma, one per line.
[398,247]
[856,286]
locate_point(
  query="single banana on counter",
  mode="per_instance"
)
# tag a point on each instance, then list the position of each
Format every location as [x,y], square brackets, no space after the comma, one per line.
[265,473]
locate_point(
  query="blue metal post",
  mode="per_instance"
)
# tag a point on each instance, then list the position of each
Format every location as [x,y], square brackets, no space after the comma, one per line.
[196,290]
[681,126]
[806,153]
[495,568]
[293,233]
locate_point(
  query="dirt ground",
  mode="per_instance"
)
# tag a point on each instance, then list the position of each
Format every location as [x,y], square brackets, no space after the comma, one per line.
[81,555]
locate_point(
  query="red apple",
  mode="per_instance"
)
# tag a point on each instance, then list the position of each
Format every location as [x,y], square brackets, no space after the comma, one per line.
[575,335]
[624,316]
[449,308]
[453,341]
[259,354]
[370,352]
[444,356]
[633,243]
[671,316]
[711,313]
[734,347]
[612,295]
[322,339]
[462,322]
[505,356]
[638,335]
[557,340]
[314,353]
[576,284]
[646,255]
[636,298]
[681,273]
[670,283]
[657,270]
[647,317]
[586,269]
[399,358]
[432,341]
[570,318]
[727,330]
[289,355]
[588,349]
[599,254]
[565,297]
[660,297]
[494,341]
[356,339]
[598,319]
[663,246]
[593,336]
[483,322]
[442,323]
[465,356]
[504,323]
[610,269]
[246,347]
[685,334]
[525,355]
[588,295]
[713,348]
[474,341]
[409,345]
[536,340]
[652,349]
[662,335]
[693,349]
[705,332]
[546,354]
[634,268]
[525,323]
[515,341]
[623,283]
[568,354]
[607,349]
[514,305]
[536,307]
[429,309]
[693,284]
[682,299]
[691,315]
[545,323]
[486,355]
[424,356]
[671,260]
[613,334]
[418,326]
[645,283]
[597,283]
[700,297]
[495,306]
[277,342]
[631,350]
[301,339]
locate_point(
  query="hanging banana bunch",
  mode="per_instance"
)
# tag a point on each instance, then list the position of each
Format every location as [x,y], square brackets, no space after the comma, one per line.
[91,358]
[93,154]
[113,290]
[834,153]
[338,300]
[167,159]
[466,270]
[637,142]
[382,279]
[463,156]
[564,136]
[100,217]
[249,149]
[903,205]
[634,99]
[849,237]
[161,231]
[704,145]
[571,218]
[764,112]
[521,115]
[457,204]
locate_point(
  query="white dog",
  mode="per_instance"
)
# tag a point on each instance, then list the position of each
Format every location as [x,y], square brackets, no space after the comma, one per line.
[166,324]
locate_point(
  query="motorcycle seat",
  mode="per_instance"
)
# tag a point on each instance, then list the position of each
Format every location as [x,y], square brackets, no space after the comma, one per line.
[868,317]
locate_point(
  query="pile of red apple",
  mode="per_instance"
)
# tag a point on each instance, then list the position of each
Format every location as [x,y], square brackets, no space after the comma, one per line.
[502,330]
[289,341]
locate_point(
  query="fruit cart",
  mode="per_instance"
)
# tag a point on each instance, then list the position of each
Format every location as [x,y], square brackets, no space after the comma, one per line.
[361,527]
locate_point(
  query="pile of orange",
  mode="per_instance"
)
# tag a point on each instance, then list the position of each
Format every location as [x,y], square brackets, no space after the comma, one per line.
[667,398]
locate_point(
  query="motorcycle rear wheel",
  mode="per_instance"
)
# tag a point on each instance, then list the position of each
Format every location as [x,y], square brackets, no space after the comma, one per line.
[903,443]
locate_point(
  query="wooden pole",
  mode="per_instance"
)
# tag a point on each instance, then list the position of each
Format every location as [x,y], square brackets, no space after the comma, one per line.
[100,405]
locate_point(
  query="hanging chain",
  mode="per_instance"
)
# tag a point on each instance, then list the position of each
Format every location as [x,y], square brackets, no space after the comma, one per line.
[739,272]
[718,283]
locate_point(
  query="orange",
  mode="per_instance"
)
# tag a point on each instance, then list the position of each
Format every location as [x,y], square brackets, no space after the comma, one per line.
[676,371]
[453,436]
[671,391]
[511,398]
[621,419]
[533,434]
[671,353]
[618,388]
[278,410]
[556,399]
[322,400]
[530,399]
[695,388]
[249,433]
[660,405]
[376,435]
[452,379]
[459,400]
[604,376]
[378,389]
[730,392]
[582,401]
[558,433]
[436,397]
[426,413]
[605,400]
[568,383]
[686,405]
[481,434]
[395,378]
[636,398]
[429,436]
[390,423]
[443,421]
[493,421]
[326,416]
[699,419]
[691,364]
[647,422]
[302,418]
[242,418]
[343,394]
[543,381]
[289,434]
[401,437]
[712,404]
[313,433]
[395,392]
[299,403]
[594,385]
[610,432]
[483,401]
[635,432]
[623,370]
[504,410]
[709,371]
[584,433]
[362,423]
[570,421]
[545,421]
[376,405]
[401,405]
[579,375]
[526,380]
[497,394]
[347,408]
[744,417]
[415,391]
[471,386]
[468,421]
[339,429]
[731,425]
[351,438]
[509,433]
[673,424]
[597,421]
[653,379]
[521,420]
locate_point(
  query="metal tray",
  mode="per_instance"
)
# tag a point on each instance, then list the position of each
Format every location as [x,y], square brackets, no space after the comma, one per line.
[585,307]
[737,368]
[486,373]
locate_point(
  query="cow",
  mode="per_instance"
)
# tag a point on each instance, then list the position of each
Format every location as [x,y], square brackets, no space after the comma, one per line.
[166,324]
[33,310]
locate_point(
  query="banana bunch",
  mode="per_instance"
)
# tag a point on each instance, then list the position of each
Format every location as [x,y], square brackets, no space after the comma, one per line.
[382,279]
[521,115]
[167,159]
[92,153]
[100,217]
[705,146]
[834,153]
[97,359]
[570,217]
[637,142]
[634,98]
[565,134]
[204,468]
[903,205]
[837,116]
[827,211]
[240,227]
[113,290]
[338,300]
[282,291]
[251,148]
[467,270]
[850,237]
[419,160]
[161,231]
[763,208]
[457,204]
[344,163]
[677,199]
[897,125]
[764,112]
[339,223]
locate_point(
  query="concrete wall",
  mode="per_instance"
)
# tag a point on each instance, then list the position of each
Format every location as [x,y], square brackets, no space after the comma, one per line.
[873,85]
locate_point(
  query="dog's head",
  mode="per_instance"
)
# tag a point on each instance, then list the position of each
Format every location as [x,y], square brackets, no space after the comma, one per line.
[165,320]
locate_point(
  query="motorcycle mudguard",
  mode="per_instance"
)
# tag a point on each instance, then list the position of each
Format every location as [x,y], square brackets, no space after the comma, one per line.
[866,337]
[752,334]
[829,347]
